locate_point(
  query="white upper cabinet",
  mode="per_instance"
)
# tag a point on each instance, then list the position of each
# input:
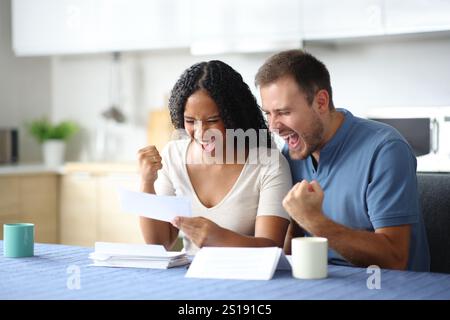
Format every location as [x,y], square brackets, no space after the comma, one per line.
[81,26]
[405,16]
[245,26]
[49,27]
[330,19]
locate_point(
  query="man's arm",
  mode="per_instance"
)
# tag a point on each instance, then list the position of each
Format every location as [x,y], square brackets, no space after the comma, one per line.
[386,247]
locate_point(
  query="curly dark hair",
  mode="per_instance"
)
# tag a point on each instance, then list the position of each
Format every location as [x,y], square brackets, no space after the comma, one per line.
[238,107]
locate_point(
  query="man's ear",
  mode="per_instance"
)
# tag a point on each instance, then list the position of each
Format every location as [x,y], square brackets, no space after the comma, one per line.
[322,101]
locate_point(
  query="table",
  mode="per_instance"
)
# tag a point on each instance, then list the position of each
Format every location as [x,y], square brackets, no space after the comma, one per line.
[50,275]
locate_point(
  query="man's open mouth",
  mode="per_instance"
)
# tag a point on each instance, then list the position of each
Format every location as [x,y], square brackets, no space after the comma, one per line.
[292,139]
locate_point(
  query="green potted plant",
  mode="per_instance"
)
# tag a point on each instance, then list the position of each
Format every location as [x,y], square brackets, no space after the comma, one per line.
[53,137]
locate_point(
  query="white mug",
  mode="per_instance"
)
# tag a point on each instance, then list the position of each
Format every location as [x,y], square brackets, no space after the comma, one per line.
[309,257]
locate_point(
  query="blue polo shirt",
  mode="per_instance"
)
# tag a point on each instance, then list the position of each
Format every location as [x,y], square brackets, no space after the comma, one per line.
[368,173]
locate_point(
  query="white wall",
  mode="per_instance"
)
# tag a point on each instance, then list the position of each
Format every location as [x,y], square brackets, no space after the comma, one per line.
[25,88]
[399,71]
[80,91]
[403,71]
[382,72]
[161,70]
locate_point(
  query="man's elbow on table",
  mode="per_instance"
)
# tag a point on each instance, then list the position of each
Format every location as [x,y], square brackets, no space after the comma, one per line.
[397,263]
[397,245]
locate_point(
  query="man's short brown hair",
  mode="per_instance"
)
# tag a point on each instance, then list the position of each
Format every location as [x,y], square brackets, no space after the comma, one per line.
[309,73]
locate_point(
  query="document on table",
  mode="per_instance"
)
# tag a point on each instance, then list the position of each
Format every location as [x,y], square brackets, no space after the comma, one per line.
[125,255]
[163,208]
[237,263]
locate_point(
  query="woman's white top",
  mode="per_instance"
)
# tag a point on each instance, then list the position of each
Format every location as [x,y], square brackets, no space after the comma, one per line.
[258,191]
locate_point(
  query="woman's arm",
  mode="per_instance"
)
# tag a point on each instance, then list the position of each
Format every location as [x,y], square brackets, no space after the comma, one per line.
[158,232]
[269,231]
[154,231]
[272,228]
[294,231]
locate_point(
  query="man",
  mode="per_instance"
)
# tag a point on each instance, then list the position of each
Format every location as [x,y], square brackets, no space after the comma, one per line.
[357,183]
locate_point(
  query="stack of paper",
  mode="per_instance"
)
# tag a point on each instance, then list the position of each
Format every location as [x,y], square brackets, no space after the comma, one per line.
[108,254]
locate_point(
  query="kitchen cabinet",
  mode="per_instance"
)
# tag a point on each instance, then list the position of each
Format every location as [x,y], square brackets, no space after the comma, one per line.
[51,27]
[31,198]
[114,224]
[330,19]
[223,26]
[406,16]
[78,209]
[9,198]
[90,209]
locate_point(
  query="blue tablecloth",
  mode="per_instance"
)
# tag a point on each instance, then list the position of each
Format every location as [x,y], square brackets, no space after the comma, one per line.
[45,276]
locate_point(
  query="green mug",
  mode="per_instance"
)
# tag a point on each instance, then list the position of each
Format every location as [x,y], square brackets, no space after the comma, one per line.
[18,240]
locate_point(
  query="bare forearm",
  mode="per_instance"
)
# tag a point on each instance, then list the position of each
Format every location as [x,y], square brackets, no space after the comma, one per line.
[158,232]
[228,238]
[148,187]
[361,248]
[293,231]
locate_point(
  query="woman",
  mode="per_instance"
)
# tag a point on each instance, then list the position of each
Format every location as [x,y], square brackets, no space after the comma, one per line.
[234,203]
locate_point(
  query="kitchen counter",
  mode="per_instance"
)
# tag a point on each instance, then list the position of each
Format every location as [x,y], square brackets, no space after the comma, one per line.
[427,163]
[101,167]
[29,168]
[70,167]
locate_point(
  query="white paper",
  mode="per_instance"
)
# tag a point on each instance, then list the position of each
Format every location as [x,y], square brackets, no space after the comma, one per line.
[128,249]
[237,263]
[109,254]
[141,264]
[164,208]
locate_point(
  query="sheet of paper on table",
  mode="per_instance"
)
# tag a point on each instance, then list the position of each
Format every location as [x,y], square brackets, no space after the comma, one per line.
[237,263]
